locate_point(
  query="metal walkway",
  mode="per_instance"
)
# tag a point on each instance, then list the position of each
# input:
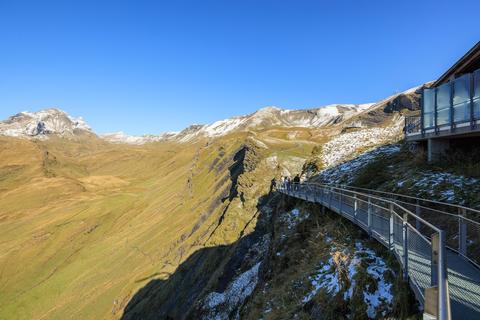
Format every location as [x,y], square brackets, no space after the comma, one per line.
[446,280]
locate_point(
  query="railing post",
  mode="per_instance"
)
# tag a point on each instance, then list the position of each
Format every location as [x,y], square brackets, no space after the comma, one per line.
[355,206]
[369,216]
[443,294]
[418,213]
[330,199]
[434,263]
[341,201]
[391,230]
[462,232]
[405,246]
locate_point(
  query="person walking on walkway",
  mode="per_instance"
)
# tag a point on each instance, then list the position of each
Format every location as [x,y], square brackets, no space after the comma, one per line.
[296,182]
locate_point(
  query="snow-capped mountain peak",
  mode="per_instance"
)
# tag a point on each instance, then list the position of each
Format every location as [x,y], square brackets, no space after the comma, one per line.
[42,123]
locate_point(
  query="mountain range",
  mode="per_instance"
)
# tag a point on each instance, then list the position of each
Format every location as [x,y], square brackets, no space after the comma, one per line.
[54,121]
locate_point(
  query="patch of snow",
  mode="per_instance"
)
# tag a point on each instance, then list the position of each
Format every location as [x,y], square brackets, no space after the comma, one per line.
[348,145]
[345,172]
[293,218]
[220,305]
[376,269]
[327,277]
[444,186]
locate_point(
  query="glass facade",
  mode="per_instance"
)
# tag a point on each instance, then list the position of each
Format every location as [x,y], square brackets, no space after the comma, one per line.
[428,107]
[451,103]
[461,99]
[476,94]
[443,104]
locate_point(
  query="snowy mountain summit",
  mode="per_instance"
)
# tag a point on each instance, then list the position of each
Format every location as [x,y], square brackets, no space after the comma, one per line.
[42,123]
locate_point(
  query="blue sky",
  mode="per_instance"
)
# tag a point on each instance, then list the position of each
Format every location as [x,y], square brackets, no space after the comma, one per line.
[154,66]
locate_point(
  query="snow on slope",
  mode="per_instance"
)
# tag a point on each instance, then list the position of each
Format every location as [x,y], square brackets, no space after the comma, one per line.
[348,145]
[220,305]
[40,124]
[329,278]
[344,173]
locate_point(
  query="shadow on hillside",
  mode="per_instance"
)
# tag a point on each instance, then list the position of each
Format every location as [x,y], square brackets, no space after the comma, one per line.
[206,270]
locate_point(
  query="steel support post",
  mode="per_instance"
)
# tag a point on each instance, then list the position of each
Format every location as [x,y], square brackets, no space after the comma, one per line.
[369,216]
[355,207]
[462,232]
[405,246]
[391,230]
[418,212]
[444,312]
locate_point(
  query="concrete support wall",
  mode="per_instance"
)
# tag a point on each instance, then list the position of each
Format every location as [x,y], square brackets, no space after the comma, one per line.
[437,148]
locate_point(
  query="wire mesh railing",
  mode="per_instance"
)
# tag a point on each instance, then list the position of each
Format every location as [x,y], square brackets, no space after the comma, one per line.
[460,224]
[417,244]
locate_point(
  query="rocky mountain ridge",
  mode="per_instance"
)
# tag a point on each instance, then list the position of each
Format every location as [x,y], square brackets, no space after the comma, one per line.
[53,121]
[42,123]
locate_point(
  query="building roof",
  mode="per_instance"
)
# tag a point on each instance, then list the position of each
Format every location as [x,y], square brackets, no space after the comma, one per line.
[468,63]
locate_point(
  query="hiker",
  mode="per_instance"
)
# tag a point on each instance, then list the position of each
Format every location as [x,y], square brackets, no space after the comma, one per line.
[296,182]
[273,185]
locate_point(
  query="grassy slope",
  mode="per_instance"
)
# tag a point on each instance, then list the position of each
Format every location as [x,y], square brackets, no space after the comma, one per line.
[85,224]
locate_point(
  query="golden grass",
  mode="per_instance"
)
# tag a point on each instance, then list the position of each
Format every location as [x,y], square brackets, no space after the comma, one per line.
[84,224]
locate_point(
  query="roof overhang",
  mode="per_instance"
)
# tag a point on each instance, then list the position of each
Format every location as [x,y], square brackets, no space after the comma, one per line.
[468,63]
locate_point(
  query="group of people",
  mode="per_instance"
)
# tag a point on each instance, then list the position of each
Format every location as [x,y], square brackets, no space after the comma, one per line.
[287,183]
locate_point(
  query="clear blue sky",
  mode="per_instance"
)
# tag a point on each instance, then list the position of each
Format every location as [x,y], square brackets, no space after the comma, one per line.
[154,66]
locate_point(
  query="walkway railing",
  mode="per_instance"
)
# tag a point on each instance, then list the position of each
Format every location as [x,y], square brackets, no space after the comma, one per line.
[461,224]
[418,245]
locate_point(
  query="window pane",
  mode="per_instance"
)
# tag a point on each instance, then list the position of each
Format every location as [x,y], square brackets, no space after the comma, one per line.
[443,116]
[428,120]
[476,108]
[477,83]
[428,100]
[461,89]
[443,96]
[461,112]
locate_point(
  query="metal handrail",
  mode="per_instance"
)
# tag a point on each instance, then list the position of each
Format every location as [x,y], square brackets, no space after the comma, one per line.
[395,211]
[466,218]
[457,206]
[380,199]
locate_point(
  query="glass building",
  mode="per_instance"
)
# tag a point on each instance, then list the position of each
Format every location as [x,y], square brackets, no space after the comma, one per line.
[450,107]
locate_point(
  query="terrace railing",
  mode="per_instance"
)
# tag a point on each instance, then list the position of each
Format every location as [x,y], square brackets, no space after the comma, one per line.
[413,124]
